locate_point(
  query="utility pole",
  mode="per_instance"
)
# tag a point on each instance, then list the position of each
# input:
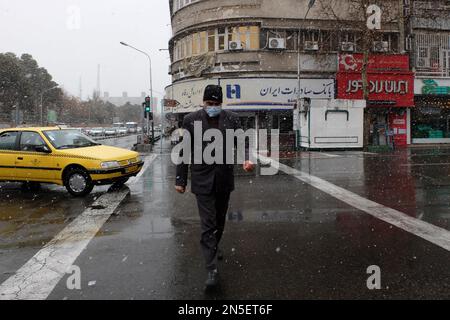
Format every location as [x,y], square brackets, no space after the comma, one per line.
[151,86]
[310,5]
[401,26]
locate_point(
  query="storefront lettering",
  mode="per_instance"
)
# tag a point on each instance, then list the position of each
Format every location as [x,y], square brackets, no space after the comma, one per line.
[328,90]
[380,86]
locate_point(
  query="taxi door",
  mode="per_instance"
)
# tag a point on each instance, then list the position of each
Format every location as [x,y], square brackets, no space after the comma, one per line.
[8,153]
[35,162]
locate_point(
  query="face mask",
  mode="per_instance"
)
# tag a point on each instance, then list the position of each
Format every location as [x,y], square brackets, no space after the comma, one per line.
[213,111]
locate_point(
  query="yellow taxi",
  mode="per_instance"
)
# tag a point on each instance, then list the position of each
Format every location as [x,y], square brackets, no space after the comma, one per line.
[64,157]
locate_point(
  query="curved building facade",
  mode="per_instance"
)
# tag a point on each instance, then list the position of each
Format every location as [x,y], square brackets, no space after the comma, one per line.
[266,54]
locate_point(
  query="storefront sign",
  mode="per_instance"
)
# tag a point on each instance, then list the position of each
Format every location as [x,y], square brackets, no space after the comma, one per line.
[432,87]
[398,124]
[376,63]
[251,94]
[393,89]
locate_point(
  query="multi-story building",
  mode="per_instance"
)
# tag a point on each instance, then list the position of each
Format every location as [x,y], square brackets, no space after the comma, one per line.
[428,25]
[258,49]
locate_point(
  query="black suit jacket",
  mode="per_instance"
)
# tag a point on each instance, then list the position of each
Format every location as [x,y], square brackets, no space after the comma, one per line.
[208,178]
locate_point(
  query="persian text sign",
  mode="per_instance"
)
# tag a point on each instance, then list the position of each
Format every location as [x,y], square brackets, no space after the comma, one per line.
[395,89]
[251,93]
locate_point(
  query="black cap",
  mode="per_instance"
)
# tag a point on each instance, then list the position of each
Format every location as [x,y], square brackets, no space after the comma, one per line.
[213,93]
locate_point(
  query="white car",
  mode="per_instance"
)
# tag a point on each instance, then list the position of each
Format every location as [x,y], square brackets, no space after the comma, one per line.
[97,132]
[122,131]
[110,132]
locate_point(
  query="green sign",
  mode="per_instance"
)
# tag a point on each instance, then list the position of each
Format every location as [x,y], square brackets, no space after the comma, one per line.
[431,87]
[52,117]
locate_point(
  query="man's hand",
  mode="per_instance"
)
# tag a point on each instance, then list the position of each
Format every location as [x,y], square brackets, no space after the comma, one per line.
[249,166]
[180,189]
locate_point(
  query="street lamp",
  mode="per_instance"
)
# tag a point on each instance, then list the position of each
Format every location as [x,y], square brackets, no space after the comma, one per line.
[42,108]
[310,5]
[151,84]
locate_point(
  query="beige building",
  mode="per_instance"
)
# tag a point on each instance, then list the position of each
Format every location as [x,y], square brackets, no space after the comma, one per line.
[256,48]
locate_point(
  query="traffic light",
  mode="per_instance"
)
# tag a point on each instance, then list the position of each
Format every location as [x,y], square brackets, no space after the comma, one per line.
[148,105]
[147,108]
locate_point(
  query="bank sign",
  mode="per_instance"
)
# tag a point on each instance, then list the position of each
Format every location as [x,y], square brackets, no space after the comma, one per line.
[390,83]
[251,94]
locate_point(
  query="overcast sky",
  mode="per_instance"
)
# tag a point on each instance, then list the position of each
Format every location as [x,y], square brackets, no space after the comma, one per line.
[71,37]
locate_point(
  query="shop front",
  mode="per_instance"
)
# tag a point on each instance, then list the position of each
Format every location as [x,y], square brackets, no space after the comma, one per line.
[262,103]
[391,96]
[430,120]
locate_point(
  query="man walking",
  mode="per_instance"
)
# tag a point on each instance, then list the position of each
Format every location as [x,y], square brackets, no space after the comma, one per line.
[211,183]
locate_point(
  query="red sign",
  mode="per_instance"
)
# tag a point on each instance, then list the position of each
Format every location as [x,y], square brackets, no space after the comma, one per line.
[398,124]
[385,89]
[377,63]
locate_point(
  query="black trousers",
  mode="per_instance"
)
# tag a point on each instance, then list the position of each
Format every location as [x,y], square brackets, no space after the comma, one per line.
[213,210]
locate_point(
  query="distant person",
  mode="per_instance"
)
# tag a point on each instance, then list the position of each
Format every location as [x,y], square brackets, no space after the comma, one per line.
[212,184]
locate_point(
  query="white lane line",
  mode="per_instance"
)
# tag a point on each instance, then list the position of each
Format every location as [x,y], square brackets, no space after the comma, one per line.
[425,164]
[422,229]
[329,155]
[148,161]
[39,276]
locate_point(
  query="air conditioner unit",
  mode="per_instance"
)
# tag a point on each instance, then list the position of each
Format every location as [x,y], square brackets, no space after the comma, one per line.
[347,46]
[311,46]
[277,43]
[235,46]
[381,46]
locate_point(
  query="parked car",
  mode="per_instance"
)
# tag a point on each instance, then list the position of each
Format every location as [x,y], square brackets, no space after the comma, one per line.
[111,132]
[97,132]
[64,157]
[122,131]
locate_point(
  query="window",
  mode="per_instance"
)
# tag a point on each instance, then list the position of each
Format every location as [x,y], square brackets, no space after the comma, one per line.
[214,40]
[203,38]
[221,38]
[8,140]
[195,44]
[254,37]
[30,140]
[179,4]
[211,40]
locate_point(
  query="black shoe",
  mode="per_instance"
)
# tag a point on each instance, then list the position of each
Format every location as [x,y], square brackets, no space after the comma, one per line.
[213,279]
[220,255]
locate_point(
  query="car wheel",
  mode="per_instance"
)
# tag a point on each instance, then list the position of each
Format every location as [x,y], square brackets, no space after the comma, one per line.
[78,182]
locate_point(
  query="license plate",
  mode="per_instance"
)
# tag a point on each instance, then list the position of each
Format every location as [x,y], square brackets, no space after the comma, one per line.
[131,169]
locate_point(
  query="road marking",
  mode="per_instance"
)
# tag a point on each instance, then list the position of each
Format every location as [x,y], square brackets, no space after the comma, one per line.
[422,229]
[148,161]
[424,164]
[39,276]
[329,155]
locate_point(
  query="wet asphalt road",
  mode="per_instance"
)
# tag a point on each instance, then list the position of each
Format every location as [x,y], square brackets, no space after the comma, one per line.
[284,239]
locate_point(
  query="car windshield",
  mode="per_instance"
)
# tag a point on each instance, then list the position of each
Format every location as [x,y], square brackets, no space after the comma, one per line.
[69,139]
